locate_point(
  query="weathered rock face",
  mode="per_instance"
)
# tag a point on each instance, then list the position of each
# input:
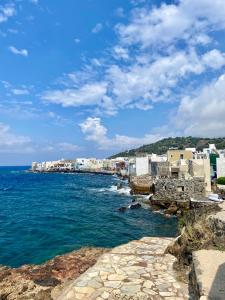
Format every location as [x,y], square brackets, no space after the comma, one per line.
[37,282]
[217,222]
[141,184]
[171,207]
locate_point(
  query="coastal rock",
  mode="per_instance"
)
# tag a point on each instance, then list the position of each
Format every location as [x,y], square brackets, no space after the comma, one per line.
[37,282]
[172,209]
[135,205]
[141,184]
[122,209]
[119,186]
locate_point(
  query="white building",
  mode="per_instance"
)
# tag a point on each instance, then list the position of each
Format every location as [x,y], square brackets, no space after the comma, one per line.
[220,166]
[210,150]
[142,166]
[193,150]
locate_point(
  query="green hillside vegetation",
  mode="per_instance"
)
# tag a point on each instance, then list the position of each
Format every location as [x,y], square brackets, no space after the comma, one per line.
[162,146]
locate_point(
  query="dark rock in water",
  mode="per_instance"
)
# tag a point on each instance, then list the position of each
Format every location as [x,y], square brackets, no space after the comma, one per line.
[122,209]
[135,205]
[119,186]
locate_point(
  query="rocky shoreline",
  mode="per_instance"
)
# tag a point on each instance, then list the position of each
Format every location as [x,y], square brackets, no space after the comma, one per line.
[42,282]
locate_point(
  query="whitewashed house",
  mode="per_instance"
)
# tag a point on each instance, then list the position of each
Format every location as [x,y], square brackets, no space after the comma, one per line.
[142,165]
[220,166]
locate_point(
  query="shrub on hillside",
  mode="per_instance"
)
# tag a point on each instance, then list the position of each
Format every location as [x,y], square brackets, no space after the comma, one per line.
[221,180]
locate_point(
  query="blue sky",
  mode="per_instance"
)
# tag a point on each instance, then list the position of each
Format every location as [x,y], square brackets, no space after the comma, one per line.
[94,77]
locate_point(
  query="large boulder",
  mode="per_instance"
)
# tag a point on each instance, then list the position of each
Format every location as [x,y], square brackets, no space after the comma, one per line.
[141,184]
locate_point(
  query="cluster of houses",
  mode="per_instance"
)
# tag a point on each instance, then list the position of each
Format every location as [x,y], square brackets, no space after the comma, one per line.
[181,164]
[92,165]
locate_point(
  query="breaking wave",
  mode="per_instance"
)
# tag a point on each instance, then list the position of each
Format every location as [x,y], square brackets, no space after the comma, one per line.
[113,189]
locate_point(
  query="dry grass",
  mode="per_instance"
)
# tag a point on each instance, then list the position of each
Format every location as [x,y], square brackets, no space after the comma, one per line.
[196,234]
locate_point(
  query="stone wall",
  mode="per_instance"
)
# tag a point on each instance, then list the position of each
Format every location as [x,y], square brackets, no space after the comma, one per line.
[161,168]
[178,190]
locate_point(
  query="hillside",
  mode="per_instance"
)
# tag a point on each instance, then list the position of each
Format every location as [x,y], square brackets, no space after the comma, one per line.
[162,146]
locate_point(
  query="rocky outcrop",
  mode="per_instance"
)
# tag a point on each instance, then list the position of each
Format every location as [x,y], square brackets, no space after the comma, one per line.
[40,282]
[217,222]
[141,184]
[169,207]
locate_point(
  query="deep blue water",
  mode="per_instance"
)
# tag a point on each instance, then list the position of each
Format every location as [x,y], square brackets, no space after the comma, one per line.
[43,215]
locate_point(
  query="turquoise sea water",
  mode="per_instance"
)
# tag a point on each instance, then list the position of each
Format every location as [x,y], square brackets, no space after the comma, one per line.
[43,215]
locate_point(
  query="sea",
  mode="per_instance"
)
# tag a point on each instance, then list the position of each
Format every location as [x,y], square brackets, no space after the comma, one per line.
[44,215]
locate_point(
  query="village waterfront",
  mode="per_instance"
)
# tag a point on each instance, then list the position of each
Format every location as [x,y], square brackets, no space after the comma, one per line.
[44,215]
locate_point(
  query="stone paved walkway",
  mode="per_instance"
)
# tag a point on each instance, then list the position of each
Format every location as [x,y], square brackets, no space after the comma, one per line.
[139,270]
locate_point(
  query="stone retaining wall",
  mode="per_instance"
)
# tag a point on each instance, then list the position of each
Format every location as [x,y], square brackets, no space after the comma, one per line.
[178,190]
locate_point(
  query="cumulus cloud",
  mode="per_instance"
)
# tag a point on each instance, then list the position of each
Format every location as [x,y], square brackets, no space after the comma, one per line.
[203,114]
[95,131]
[88,94]
[172,22]
[137,85]
[214,59]
[151,82]
[22,52]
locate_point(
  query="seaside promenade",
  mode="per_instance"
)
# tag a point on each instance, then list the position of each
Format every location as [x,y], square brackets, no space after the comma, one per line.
[139,270]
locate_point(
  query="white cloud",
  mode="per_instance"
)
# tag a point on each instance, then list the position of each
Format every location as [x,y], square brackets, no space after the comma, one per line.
[171,22]
[34,1]
[19,92]
[98,27]
[96,132]
[6,12]
[161,54]
[153,81]
[120,52]
[203,114]
[10,142]
[77,41]
[120,12]
[88,94]
[214,59]
[67,147]
[22,52]
[137,85]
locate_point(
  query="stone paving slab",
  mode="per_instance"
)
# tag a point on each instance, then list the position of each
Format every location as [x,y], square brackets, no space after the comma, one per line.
[139,270]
